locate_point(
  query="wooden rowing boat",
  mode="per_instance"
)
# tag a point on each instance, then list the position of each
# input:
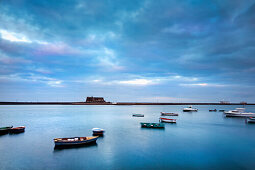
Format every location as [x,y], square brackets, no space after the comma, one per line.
[75,141]
[165,120]
[19,129]
[168,114]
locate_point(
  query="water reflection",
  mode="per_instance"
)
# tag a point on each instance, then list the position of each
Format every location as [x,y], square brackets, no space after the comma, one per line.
[60,148]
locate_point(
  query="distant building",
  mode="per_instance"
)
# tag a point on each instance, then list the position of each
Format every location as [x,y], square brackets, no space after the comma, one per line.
[243,103]
[95,100]
[224,102]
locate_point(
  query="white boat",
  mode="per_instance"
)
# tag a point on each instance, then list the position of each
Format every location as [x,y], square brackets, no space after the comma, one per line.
[190,109]
[98,131]
[239,112]
[162,119]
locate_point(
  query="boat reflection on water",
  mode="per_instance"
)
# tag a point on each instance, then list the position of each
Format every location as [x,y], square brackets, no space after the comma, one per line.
[64,147]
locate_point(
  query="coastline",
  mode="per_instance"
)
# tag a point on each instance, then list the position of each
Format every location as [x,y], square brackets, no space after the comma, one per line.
[118,103]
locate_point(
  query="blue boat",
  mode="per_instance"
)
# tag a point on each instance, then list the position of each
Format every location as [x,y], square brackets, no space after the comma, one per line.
[75,141]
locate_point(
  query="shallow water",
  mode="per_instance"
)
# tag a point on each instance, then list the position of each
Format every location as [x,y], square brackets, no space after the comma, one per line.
[199,140]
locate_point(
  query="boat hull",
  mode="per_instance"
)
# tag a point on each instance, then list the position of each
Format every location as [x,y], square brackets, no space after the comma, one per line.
[238,115]
[138,115]
[250,121]
[190,110]
[17,130]
[5,130]
[98,133]
[72,143]
[168,120]
[169,114]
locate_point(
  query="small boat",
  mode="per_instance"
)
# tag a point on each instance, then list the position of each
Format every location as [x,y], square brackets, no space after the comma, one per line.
[138,115]
[152,125]
[168,114]
[5,130]
[167,120]
[214,110]
[75,141]
[17,129]
[221,110]
[250,120]
[190,109]
[98,131]
[238,112]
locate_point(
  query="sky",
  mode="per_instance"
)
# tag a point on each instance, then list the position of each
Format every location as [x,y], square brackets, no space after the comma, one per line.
[127,51]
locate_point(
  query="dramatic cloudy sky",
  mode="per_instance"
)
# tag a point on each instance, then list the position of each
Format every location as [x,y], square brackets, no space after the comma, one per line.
[127,50]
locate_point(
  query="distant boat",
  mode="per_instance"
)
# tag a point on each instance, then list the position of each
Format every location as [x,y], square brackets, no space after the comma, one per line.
[221,110]
[74,141]
[190,109]
[98,131]
[17,129]
[138,115]
[238,112]
[5,130]
[214,110]
[152,125]
[168,114]
[250,120]
[167,120]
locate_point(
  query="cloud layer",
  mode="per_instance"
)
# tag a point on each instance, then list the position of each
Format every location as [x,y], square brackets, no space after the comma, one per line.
[125,50]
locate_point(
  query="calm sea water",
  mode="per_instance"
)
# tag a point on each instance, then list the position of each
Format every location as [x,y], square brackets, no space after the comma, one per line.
[199,140]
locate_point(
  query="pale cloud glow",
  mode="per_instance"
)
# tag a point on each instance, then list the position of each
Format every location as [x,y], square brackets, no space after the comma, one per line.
[14,37]
[32,78]
[139,82]
[135,80]
[204,85]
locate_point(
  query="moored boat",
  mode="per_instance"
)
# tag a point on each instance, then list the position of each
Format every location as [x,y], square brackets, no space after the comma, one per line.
[98,131]
[190,109]
[152,125]
[5,130]
[168,114]
[221,110]
[75,141]
[239,112]
[213,110]
[138,115]
[167,120]
[19,129]
[250,120]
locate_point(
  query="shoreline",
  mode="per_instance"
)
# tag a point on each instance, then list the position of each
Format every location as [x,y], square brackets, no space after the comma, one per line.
[118,103]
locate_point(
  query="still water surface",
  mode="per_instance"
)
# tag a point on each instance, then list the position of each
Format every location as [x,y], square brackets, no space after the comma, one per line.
[199,140]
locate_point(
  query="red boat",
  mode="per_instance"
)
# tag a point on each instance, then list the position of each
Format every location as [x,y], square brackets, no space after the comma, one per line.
[167,120]
[17,129]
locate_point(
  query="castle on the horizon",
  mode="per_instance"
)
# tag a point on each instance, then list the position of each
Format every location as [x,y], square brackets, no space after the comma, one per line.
[95,100]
